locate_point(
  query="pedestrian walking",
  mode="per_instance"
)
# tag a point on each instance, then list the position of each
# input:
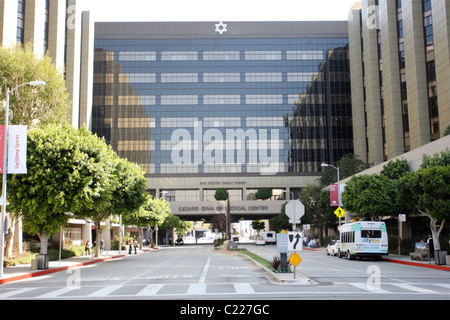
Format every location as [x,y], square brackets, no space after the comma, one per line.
[135,246]
[87,247]
[130,246]
[102,244]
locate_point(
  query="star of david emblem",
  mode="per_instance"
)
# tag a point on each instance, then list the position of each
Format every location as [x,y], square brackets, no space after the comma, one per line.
[221,27]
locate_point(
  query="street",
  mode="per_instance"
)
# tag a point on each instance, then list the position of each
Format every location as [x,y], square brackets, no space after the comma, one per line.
[198,273]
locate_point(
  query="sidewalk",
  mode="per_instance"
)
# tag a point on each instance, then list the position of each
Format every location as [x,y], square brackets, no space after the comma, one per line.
[24,271]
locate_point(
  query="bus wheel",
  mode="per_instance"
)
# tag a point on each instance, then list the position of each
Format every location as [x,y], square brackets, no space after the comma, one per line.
[349,256]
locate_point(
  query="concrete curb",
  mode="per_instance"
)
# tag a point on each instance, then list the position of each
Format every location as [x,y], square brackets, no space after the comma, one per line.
[280,278]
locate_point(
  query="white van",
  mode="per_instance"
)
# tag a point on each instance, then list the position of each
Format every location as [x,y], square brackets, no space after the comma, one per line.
[270,237]
[363,239]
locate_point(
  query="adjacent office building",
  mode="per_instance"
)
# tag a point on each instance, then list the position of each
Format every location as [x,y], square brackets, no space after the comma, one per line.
[59,29]
[240,105]
[400,62]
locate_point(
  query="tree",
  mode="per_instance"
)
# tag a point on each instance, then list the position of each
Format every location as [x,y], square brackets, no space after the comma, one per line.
[281,222]
[123,192]
[219,222]
[63,174]
[348,165]
[317,207]
[173,222]
[427,191]
[151,214]
[258,225]
[264,194]
[394,170]
[221,194]
[29,106]
[374,196]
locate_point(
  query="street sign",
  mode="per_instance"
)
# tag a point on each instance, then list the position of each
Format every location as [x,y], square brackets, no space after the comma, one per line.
[402,217]
[295,241]
[295,259]
[282,242]
[295,210]
[339,212]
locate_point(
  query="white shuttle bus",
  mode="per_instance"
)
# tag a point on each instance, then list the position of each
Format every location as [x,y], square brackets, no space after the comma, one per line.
[363,239]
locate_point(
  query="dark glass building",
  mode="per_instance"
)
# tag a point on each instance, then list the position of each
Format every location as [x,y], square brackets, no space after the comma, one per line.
[245,105]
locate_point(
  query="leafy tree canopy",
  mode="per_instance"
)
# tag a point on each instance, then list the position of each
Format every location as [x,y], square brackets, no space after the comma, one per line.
[29,105]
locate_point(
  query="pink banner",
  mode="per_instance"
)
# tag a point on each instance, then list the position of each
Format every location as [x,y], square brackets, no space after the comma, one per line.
[17,150]
[334,195]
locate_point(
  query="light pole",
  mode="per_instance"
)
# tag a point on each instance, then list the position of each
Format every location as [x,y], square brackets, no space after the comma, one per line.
[5,166]
[339,185]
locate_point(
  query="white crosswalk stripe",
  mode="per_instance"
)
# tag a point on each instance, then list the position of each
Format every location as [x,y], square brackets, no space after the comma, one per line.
[201,289]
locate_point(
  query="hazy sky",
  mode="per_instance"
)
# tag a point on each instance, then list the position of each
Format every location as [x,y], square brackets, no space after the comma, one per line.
[211,10]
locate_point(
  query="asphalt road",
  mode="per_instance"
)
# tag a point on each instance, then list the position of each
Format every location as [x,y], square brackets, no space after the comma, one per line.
[198,273]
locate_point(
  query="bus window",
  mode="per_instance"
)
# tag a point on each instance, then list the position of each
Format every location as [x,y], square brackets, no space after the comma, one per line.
[370,233]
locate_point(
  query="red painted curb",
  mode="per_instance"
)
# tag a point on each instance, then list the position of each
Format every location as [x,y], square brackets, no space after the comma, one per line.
[423,265]
[44,272]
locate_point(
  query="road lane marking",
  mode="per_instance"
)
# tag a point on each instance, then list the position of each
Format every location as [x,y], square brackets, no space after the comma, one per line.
[243,288]
[205,271]
[150,290]
[104,291]
[413,288]
[55,293]
[373,289]
[196,288]
[15,292]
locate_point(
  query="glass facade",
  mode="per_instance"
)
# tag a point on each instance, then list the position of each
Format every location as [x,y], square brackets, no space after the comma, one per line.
[221,105]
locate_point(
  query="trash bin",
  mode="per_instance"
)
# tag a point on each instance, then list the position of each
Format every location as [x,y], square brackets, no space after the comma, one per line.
[42,261]
[439,257]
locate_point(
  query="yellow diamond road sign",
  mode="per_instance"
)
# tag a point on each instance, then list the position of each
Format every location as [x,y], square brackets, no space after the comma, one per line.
[295,259]
[339,212]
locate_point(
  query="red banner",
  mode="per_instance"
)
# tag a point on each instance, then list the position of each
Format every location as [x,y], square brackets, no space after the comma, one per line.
[334,195]
[2,147]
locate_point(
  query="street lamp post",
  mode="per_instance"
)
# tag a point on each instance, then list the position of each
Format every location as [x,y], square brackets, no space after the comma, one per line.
[5,167]
[339,185]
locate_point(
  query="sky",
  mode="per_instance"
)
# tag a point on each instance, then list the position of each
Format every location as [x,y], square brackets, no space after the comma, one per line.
[217,10]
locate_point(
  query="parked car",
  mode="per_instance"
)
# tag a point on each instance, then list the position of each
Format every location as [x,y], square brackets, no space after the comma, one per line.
[260,242]
[333,248]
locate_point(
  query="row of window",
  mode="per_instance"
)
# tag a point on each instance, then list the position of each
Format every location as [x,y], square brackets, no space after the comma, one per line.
[214,99]
[215,122]
[194,77]
[220,55]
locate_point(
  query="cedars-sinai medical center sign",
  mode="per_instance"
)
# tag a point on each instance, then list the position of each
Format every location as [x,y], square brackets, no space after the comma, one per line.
[17,149]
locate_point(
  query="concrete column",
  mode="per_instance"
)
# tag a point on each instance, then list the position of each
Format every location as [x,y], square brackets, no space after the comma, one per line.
[391,78]
[372,85]
[357,82]
[8,22]
[416,75]
[441,30]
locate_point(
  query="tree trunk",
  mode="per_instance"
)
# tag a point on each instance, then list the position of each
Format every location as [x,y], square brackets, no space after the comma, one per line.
[9,238]
[44,243]
[435,233]
[98,237]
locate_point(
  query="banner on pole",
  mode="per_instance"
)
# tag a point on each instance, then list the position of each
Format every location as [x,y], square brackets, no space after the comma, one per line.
[17,150]
[2,147]
[334,195]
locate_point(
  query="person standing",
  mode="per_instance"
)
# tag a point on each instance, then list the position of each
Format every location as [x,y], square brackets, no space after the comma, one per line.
[87,247]
[430,246]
